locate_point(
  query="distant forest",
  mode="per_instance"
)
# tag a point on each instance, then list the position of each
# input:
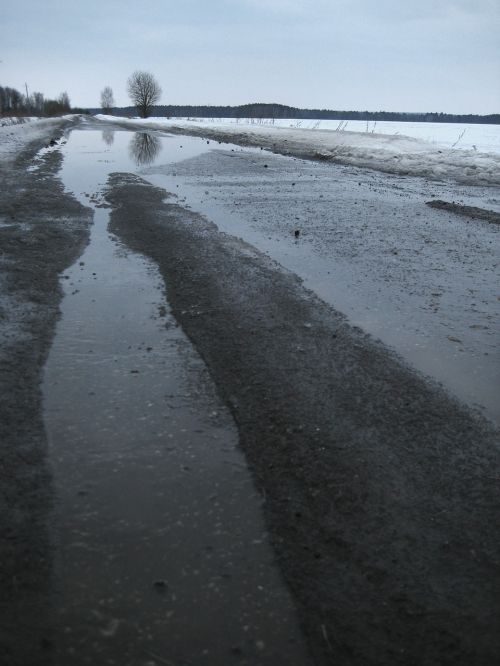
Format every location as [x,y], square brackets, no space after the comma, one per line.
[276,111]
[14,103]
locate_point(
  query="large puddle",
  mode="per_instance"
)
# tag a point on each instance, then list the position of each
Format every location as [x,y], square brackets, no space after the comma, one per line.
[419,283]
[163,557]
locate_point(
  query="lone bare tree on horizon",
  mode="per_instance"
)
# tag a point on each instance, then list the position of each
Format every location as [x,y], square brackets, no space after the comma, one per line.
[107,99]
[144,91]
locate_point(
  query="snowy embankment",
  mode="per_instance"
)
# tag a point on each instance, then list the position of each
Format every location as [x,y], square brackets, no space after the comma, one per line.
[16,133]
[463,136]
[17,120]
[396,154]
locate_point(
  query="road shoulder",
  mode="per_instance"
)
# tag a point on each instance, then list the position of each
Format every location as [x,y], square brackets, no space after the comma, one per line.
[43,230]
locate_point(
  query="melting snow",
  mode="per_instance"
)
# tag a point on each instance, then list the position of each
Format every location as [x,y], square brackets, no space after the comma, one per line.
[390,153]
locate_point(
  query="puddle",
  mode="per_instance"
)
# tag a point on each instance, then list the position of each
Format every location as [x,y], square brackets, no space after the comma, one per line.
[163,556]
[439,316]
[402,284]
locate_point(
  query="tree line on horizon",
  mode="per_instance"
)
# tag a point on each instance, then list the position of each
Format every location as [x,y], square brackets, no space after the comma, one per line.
[145,91]
[281,111]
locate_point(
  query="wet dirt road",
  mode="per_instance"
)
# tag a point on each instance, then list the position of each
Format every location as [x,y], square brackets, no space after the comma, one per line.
[420,280]
[163,551]
[377,487]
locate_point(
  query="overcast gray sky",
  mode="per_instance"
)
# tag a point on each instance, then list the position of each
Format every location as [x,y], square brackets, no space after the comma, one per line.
[395,55]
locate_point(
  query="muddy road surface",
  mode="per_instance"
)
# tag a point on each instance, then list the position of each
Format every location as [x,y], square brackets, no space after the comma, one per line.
[204,462]
[43,230]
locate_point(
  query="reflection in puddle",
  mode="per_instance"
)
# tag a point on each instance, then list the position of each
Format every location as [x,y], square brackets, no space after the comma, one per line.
[144,148]
[380,307]
[162,548]
[108,136]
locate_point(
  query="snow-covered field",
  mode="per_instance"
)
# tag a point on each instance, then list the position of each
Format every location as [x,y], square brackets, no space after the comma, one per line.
[446,157]
[461,136]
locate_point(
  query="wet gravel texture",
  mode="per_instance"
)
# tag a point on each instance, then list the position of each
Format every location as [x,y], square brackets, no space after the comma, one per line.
[380,489]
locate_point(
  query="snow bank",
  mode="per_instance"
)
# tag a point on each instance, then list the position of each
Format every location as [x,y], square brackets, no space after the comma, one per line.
[15,120]
[397,154]
[14,136]
[462,136]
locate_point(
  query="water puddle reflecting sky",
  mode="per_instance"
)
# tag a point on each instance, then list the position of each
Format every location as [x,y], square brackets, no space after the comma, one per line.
[422,322]
[162,548]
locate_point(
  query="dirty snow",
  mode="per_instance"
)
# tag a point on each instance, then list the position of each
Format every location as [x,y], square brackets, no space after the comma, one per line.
[15,136]
[390,153]
[460,136]
[15,120]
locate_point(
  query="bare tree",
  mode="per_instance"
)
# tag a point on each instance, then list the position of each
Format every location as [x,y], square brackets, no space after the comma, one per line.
[144,91]
[16,100]
[107,99]
[64,102]
[38,102]
[55,107]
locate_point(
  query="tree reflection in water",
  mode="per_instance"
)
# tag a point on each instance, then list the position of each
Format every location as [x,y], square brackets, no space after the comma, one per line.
[108,136]
[144,148]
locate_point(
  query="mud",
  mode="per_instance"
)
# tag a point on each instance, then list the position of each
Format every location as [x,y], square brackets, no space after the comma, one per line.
[381,490]
[472,212]
[42,231]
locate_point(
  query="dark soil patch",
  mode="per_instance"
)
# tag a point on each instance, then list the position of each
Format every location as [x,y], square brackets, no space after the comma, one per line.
[469,211]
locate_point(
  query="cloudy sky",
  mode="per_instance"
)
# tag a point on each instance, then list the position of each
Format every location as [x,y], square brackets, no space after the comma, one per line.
[395,55]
